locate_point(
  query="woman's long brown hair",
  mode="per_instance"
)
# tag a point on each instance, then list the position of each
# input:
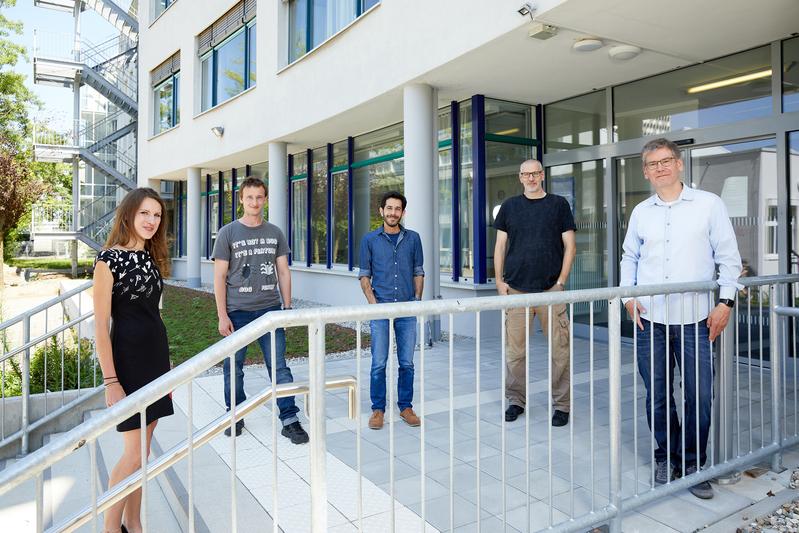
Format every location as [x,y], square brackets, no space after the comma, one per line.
[123,230]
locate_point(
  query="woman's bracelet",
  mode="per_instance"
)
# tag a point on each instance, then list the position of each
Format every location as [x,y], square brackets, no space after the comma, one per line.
[111,382]
[109,377]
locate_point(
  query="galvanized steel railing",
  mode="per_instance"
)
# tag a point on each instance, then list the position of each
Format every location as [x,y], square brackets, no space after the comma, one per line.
[766,375]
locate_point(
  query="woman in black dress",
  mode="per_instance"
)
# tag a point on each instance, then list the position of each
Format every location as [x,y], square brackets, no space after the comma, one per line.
[133,351]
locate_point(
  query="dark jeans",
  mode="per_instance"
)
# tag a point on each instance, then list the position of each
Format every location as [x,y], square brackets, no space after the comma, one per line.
[288,409]
[682,354]
[405,339]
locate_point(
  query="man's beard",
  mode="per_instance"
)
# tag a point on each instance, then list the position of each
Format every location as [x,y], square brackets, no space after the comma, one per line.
[389,224]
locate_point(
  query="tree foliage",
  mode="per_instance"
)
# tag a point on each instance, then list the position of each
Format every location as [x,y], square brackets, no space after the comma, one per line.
[15,97]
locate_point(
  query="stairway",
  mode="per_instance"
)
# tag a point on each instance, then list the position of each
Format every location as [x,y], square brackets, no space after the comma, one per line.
[124,21]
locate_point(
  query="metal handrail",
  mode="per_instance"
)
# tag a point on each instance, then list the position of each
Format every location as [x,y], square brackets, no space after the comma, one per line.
[34,464]
[200,437]
[46,305]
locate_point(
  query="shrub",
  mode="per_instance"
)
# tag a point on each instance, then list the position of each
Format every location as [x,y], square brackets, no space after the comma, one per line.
[51,352]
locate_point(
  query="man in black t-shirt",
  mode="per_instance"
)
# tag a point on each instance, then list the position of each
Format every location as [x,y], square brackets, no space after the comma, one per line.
[534,253]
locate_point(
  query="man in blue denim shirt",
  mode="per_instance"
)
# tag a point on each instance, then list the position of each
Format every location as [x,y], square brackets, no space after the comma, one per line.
[391,271]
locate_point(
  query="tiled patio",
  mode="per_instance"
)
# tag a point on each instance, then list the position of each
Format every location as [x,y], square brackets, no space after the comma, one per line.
[563,473]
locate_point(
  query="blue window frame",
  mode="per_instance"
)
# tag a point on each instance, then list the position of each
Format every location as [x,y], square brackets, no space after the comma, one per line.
[229,67]
[312,22]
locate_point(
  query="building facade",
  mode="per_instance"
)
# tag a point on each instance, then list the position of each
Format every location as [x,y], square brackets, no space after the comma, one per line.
[334,102]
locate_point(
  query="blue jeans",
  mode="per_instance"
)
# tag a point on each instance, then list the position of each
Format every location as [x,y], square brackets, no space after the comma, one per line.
[703,395]
[405,336]
[288,410]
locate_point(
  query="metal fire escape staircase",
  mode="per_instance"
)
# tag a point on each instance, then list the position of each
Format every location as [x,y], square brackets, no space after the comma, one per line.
[109,68]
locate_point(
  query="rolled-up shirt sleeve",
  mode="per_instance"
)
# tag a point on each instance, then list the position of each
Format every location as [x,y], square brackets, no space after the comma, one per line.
[631,253]
[365,267]
[418,258]
[725,251]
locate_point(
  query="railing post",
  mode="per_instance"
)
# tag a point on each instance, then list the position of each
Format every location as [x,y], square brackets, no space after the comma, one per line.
[776,375]
[26,384]
[723,404]
[614,386]
[316,397]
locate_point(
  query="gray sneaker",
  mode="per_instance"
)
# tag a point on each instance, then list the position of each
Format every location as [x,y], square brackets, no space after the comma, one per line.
[663,473]
[701,490]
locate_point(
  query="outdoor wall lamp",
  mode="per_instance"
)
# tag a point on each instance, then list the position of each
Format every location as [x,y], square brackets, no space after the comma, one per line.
[527,9]
[218,130]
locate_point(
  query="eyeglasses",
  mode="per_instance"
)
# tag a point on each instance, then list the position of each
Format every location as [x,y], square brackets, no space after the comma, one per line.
[534,174]
[666,162]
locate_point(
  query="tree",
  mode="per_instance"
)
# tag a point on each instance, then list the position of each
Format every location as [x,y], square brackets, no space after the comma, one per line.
[18,190]
[15,97]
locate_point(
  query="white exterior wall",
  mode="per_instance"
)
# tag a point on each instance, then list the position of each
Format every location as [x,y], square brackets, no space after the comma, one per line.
[386,48]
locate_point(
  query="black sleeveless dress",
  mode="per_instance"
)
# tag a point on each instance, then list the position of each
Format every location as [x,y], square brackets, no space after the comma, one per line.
[138,336]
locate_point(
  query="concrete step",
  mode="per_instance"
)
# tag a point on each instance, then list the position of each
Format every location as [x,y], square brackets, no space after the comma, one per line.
[212,484]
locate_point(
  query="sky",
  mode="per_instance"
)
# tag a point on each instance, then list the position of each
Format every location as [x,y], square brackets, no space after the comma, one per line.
[57,101]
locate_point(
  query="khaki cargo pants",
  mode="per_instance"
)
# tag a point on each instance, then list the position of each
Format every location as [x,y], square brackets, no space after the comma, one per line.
[515,384]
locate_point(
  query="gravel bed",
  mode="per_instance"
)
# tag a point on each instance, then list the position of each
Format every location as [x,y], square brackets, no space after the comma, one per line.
[784,520]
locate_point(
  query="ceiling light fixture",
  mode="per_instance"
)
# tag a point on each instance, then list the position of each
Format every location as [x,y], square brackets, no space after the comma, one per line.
[587,45]
[623,52]
[218,130]
[730,81]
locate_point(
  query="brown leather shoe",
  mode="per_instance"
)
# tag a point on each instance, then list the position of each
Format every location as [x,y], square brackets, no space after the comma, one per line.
[410,417]
[376,420]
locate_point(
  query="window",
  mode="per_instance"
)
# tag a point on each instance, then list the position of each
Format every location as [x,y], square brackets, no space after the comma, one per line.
[161,6]
[790,75]
[722,91]
[165,79]
[339,218]
[228,55]
[576,122]
[319,206]
[466,225]
[312,22]
[299,208]
[445,190]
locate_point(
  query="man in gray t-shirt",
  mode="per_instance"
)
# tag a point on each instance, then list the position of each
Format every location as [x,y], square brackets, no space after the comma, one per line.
[251,276]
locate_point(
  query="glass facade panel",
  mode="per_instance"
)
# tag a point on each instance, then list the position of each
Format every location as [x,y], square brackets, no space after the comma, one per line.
[722,91]
[379,143]
[319,207]
[444,125]
[576,122]
[445,209]
[466,212]
[502,181]
[207,81]
[509,118]
[165,96]
[369,3]
[370,184]
[160,7]
[339,222]
[230,69]
[299,222]
[582,184]
[298,29]
[258,170]
[329,16]
[790,75]
[252,53]
[339,154]
[300,163]
[793,173]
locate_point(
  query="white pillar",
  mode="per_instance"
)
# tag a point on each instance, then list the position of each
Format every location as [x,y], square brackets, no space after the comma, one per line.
[278,186]
[193,224]
[421,176]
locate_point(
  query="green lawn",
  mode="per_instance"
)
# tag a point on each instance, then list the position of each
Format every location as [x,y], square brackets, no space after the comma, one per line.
[190,319]
[47,262]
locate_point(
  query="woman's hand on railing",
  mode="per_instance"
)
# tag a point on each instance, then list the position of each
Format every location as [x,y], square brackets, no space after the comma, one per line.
[113,393]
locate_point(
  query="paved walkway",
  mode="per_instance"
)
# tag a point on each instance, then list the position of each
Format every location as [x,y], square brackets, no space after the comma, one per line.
[568,478]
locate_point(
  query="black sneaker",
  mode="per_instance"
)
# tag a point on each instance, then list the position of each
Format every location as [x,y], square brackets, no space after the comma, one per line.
[513,412]
[560,418]
[295,433]
[239,427]
[701,490]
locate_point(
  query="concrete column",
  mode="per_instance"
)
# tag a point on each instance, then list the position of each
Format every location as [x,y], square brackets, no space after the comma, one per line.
[194,213]
[421,176]
[278,204]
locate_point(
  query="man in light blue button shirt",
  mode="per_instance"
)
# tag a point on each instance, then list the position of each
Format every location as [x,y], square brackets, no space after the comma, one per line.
[678,235]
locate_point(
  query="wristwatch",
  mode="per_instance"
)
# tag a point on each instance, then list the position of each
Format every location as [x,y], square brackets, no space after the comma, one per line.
[726,301]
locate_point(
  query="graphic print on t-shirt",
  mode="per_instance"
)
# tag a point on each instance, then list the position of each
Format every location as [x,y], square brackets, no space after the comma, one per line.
[260,253]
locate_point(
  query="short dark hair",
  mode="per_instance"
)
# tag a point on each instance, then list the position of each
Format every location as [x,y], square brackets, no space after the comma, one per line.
[395,195]
[657,144]
[252,181]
